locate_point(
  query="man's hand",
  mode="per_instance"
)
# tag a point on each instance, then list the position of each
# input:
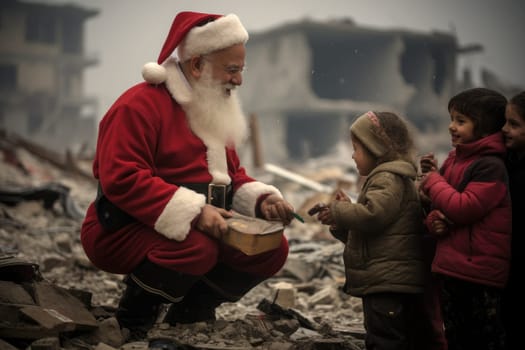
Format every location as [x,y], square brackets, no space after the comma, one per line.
[275,208]
[212,221]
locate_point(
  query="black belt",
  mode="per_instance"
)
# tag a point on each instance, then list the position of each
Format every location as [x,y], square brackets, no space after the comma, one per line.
[113,218]
[217,195]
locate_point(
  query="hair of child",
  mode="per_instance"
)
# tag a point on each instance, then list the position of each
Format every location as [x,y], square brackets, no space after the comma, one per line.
[484,106]
[518,103]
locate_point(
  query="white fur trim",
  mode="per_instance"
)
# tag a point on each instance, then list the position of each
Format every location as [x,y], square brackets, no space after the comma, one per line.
[171,74]
[176,82]
[224,32]
[154,73]
[174,221]
[246,196]
[215,156]
[217,164]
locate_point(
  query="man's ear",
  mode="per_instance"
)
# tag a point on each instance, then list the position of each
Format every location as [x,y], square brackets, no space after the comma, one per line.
[196,65]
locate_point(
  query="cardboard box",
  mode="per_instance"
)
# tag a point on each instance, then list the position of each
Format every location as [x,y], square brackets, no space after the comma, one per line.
[252,235]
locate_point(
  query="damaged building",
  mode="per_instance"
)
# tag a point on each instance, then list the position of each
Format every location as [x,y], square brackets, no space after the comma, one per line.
[42,63]
[306,81]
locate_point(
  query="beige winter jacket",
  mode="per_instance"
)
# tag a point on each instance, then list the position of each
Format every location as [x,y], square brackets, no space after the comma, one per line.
[383,232]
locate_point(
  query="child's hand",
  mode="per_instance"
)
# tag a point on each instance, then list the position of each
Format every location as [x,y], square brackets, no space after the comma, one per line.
[428,163]
[325,216]
[340,195]
[439,227]
[323,213]
[439,223]
[316,209]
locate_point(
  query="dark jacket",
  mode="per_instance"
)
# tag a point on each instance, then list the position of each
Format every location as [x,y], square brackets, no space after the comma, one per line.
[516,170]
[383,233]
[472,191]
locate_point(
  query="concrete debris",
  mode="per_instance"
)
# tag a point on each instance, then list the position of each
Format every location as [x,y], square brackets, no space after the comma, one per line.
[285,294]
[48,194]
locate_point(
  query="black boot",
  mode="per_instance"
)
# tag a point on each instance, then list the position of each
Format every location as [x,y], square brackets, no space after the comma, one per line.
[221,284]
[197,306]
[147,287]
[137,310]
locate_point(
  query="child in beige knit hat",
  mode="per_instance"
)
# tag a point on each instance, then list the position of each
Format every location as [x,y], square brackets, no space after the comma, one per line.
[382,232]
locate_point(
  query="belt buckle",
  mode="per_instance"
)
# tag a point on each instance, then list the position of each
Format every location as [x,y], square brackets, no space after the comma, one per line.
[217,198]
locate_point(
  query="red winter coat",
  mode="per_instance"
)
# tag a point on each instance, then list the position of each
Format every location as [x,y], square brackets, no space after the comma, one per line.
[472,191]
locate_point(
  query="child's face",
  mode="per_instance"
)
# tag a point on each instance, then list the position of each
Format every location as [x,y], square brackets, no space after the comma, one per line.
[364,160]
[514,130]
[461,128]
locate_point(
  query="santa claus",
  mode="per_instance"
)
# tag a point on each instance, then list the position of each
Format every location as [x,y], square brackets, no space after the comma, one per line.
[169,176]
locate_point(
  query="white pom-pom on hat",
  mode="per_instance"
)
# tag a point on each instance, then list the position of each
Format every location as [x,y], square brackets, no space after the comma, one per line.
[154,73]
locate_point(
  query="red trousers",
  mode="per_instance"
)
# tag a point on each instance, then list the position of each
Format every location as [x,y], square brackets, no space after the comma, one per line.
[122,251]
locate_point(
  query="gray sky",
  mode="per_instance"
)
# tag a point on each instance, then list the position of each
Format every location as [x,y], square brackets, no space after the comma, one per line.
[128,33]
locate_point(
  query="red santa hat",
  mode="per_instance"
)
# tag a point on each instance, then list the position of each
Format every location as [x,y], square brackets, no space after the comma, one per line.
[194,33]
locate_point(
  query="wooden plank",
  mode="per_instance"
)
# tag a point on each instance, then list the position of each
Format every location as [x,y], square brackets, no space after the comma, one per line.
[52,297]
[49,318]
[14,293]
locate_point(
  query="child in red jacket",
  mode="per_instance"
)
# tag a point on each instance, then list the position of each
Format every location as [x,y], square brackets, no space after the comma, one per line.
[471,219]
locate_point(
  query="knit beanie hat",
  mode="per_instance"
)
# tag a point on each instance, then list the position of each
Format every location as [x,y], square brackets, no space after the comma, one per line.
[368,130]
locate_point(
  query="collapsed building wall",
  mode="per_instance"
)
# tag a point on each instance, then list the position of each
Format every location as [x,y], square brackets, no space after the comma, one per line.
[42,62]
[306,81]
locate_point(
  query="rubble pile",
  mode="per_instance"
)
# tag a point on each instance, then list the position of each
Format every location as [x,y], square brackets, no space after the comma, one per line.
[52,297]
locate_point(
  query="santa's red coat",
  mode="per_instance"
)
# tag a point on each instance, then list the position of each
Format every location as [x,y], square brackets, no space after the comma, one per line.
[145,148]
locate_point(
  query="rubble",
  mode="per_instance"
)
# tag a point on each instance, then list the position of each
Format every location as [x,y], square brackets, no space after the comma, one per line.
[51,297]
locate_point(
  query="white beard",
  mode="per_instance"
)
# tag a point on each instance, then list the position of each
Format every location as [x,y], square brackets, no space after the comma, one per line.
[213,114]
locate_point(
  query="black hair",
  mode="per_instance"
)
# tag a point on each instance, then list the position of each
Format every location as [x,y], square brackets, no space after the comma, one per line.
[484,106]
[518,102]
